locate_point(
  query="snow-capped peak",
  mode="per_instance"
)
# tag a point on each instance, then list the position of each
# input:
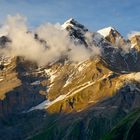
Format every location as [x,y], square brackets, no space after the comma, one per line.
[74,24]
[105,31]
[67,23]
[69,20]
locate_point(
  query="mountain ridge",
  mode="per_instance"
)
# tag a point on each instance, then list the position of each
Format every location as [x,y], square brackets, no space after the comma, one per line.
[69,99]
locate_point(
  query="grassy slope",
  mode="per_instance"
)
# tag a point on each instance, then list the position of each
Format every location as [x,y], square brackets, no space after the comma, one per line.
[127,129]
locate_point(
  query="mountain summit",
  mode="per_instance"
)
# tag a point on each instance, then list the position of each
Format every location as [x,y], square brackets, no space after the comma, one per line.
[106,31]
[112,35]
[72,23]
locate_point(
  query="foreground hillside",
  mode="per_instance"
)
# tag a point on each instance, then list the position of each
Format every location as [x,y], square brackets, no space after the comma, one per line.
[127,129]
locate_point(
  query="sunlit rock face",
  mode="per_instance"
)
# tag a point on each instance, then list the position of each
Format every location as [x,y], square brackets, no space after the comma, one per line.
[135,42]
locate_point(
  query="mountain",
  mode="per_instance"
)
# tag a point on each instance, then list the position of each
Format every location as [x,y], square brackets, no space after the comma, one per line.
[114,48]
[111,34]
[76,30]
[66,99]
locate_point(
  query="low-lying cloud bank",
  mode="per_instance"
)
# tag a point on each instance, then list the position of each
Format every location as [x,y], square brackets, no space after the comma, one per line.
[58,43]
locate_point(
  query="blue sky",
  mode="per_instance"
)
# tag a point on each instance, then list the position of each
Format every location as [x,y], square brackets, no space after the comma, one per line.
[95,14]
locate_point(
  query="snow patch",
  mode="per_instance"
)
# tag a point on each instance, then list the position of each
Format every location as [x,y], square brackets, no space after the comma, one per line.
[81,67]
[45,104]
[105,31]
[124,72]
[52,74]
[67,82]
[49,87]
[35,83]
[59,98]
[40,106]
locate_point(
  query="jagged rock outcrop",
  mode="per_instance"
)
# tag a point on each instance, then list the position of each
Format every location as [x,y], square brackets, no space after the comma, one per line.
[18,90]
[76,30]
[135,42]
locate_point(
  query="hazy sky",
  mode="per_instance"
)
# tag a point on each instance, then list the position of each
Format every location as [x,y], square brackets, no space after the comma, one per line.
[95,14]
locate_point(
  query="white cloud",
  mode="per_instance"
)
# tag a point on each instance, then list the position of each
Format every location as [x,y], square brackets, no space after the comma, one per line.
[58,42]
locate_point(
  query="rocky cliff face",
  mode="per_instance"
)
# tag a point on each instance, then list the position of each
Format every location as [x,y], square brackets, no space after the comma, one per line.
[135,41]
[19,89]
[70,100]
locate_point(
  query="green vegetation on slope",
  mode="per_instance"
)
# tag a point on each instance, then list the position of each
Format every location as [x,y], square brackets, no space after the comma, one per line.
[127,129]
